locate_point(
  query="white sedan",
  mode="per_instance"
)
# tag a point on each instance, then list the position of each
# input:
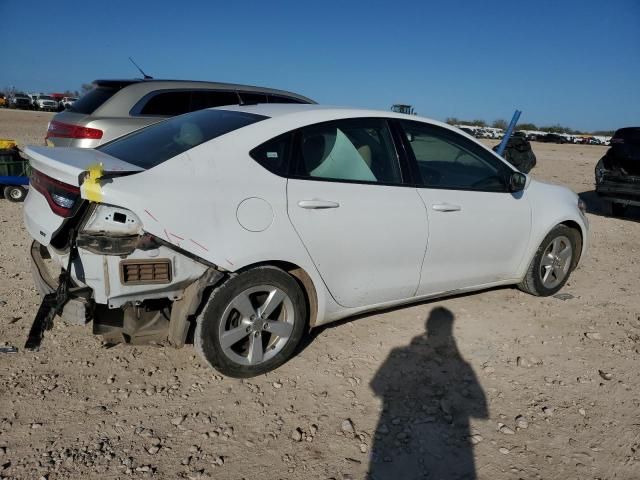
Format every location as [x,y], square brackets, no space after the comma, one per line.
[246,226]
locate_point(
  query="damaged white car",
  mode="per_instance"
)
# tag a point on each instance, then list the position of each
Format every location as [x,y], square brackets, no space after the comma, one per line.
[243,227]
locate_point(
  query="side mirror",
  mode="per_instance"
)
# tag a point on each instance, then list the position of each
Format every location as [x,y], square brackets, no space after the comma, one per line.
[517,182]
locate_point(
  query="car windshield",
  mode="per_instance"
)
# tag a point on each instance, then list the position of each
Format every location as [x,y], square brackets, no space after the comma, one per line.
[45,97]
[161,141]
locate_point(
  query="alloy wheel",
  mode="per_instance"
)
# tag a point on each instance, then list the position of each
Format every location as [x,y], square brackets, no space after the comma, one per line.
[556,262]
[256,325]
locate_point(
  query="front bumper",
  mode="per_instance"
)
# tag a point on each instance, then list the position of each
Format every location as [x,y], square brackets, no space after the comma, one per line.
[626,193]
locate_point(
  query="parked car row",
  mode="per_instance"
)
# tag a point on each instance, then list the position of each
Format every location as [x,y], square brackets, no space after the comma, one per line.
[37,101]
[482,132]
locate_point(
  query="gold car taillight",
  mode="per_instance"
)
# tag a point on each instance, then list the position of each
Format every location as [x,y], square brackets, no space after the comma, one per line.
[139,272]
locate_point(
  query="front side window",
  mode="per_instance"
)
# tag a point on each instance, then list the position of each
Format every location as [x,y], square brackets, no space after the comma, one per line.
[448,160]
[359,150]
[161,141]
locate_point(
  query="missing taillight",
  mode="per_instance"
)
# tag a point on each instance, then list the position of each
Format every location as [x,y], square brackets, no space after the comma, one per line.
[67,130]
[63,199]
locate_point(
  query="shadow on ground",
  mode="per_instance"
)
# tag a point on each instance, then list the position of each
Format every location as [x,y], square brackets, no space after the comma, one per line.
[602,208]
[429,395]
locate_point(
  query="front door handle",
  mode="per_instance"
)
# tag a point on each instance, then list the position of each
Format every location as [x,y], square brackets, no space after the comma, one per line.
[317,204]
[446,207]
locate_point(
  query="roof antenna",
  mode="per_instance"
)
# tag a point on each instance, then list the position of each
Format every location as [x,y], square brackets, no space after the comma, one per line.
[146,77]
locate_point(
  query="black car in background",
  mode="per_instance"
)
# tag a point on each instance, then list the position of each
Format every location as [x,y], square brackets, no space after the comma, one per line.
[20,100]
[618,172]
[552,138]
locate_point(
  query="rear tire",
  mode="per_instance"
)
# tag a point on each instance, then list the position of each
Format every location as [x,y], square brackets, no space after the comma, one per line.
[553,262]
[15,193]
[252,323]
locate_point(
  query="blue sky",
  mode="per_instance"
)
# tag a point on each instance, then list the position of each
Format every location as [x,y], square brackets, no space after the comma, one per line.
[571,62]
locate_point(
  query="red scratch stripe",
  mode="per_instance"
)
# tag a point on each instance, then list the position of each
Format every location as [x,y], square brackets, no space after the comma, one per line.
[174,235]
[167,234]
[149,213]
[201,246]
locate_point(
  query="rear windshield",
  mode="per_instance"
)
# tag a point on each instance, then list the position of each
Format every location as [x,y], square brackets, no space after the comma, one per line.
[93,99]
[159,142]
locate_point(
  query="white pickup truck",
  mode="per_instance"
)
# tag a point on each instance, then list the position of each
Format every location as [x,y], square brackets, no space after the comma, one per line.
[46,102]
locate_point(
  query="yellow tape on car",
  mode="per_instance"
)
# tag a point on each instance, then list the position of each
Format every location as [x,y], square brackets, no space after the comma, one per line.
[91,188]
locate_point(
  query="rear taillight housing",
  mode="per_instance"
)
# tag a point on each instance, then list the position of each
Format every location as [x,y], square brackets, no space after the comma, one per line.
[63,198]
[67,130]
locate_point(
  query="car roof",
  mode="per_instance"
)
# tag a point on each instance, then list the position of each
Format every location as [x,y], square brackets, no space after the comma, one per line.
[325,112]
[132,91]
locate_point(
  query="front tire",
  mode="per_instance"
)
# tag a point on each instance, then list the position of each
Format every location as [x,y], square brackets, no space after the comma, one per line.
[252,323]
[15,193]
[553,262]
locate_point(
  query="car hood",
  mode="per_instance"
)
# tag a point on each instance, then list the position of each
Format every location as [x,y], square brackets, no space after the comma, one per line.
[553,192]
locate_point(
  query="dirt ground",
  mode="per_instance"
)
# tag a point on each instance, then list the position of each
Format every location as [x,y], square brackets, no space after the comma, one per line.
[522,387]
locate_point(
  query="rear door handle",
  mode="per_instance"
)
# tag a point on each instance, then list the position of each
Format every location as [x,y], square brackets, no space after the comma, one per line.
[317,204]
[446,207]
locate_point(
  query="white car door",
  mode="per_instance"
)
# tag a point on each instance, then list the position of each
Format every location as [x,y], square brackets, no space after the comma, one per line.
[364,230]
[478,229]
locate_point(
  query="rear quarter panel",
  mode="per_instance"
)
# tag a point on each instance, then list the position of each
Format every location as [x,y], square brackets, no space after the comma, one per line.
[192,201]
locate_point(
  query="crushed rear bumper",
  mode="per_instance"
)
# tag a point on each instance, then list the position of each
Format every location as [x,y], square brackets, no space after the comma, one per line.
[77,310]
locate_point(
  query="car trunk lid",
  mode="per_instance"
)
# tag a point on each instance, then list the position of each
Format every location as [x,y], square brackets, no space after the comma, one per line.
[66,164]
[61,179]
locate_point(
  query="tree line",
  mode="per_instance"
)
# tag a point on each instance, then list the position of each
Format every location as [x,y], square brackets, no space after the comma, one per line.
[503,124]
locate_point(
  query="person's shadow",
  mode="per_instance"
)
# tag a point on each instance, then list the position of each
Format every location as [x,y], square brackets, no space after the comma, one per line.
[429,394]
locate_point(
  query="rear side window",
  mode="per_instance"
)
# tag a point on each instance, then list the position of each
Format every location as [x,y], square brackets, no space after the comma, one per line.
[358,150]
[274,154]
[281,99]
[168,104]
[159,142]
[253,97]
[93,99]
[177,102]
[209,99]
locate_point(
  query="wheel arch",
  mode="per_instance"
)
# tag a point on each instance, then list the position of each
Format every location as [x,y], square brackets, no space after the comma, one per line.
[304,281]
[535,242]
[575,226]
